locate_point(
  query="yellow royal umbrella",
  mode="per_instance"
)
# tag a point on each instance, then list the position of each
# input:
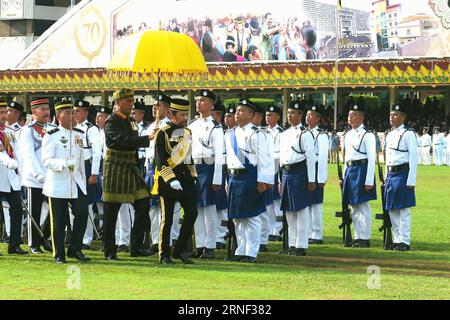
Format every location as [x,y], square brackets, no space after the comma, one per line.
[159,51]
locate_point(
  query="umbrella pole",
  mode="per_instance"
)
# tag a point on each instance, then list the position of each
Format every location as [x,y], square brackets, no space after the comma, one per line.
[157,99]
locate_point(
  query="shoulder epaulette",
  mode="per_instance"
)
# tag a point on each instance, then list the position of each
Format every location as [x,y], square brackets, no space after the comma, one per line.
[53,131]
[280,129]
[165,127]
[192,121]
[229,130]
[89,125]
[255,128]
[78,130]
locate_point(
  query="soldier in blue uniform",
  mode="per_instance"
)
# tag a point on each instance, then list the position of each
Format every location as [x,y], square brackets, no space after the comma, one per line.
[207,154]
[298,163]
[221,204]
[273,116]
[266,216]
[160,111]
[401,165]
[251,171]
[359,178]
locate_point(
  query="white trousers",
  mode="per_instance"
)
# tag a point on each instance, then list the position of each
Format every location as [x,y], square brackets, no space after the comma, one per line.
[248,236]
[437,155]
[124,223]
[299,226]
[89,233]
[401,225]
[222,231]
[265,219]
[5,205]
[362,221]
[205,227]
[276,226]
[426,157]
[176,226]
[316,213]
[155,222]
[419,152]
[448,157]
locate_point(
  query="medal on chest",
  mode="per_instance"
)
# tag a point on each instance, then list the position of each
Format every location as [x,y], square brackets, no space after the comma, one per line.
[78,141]
[134,126]
[11,137]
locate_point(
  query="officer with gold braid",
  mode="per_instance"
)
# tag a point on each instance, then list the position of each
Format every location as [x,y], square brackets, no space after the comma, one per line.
[175,179]
[65,182]
[122,180]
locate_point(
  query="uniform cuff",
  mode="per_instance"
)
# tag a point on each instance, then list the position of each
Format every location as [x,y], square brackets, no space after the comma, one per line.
[167,174]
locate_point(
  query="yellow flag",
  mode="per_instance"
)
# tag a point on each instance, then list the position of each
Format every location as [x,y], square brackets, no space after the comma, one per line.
[339,5]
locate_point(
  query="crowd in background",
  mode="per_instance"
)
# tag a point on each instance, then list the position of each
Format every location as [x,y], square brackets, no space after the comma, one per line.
[243,38]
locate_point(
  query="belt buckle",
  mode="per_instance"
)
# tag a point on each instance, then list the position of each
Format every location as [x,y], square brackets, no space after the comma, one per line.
[287,167]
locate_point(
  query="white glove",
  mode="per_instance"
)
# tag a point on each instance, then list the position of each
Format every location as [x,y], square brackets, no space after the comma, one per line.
[40,179]
[13,165]
[175,185]
[70,162]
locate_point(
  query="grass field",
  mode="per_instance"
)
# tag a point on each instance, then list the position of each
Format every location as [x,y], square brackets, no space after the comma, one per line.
[328,272]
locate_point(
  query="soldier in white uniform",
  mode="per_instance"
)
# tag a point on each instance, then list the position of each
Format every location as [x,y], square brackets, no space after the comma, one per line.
[298,163]
[358,186]
[100,119]
[207,154]
[10,184]
[138,114]
[251,171]
[273,116]
[15,111]
[160,110]
[426,146]
[222,199]
[12,128]
[266,216]
[401,165]
[65,183]
[419,147]
[438,145]
[321,146]
[33,172]
[92,157]
[447,141]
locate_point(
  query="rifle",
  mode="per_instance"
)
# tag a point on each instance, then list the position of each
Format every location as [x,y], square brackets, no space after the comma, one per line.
[345,213]
[2,224]
[35,225]
[230,238]
[387,225]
